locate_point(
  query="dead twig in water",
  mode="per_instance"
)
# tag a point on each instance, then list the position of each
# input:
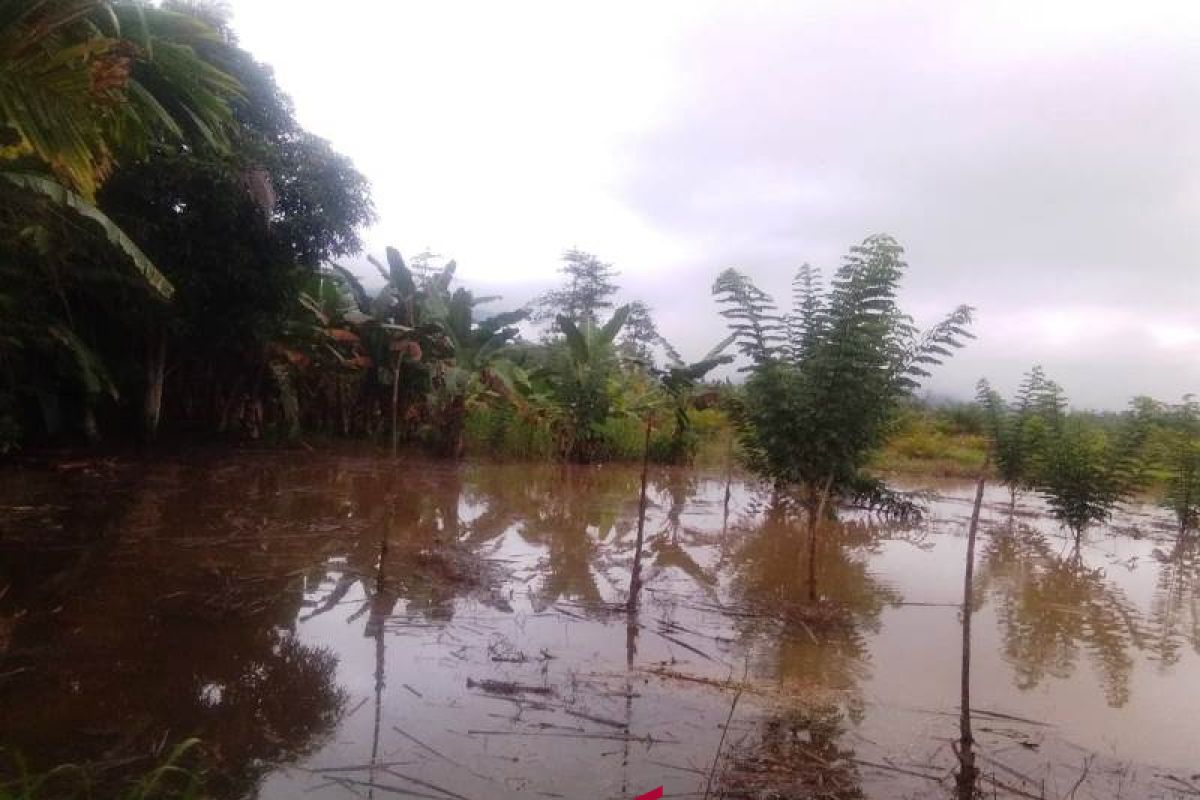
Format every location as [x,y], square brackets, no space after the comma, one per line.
[995,762]
[1190,788]
[680,676]
[1087,763]
[424,746]
[1010,788]
[611,737]
[682,644]
[424,784]
[893,768]
[724,732]
[980,712]
[347,782]
[507,687]
[693,770]
[612,723]
[357,767]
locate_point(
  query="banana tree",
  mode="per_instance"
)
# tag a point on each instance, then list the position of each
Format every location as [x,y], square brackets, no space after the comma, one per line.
[399,335]
[582,381]
[477,368]
[679,382]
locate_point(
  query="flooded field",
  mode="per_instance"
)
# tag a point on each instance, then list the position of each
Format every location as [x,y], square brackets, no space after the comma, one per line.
[343,626]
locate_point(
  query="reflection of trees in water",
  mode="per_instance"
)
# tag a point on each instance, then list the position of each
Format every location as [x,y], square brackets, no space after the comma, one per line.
[674,489]
[180,626]
[795,754]
[584,518]
[1052,607]
[822,644]
[1175,611]
[575,513]
[411,518]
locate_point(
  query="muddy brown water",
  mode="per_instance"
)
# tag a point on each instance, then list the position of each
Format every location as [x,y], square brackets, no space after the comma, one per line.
[348,626]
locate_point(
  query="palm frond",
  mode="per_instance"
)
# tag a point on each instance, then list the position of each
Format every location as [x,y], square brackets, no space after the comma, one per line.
[61,196]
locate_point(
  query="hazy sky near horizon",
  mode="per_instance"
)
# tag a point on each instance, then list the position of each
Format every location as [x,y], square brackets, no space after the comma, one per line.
[1040,161]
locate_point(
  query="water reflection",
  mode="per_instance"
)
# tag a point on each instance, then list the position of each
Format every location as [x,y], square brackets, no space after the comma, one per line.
[573,515]
[148,634]
[260,603]
[1174,619]
[824,645]
[1053,607]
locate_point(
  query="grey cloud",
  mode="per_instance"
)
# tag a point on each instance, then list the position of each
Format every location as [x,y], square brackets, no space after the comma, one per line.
[1039,176]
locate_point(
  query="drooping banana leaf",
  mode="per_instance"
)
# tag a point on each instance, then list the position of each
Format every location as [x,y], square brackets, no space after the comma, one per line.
[91,370]
[494,344]
[399,275]
[64,197]
[349,280]
[459,315]
[576,341]
[441,281]
[379,268]
[611,328]
[502,320]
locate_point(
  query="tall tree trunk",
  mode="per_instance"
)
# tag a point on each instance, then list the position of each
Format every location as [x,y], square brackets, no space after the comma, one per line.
[728,487]
[635,575]
[454,428]
[396,404]
[814,520]
[91,431]
[156,364]
[966,777]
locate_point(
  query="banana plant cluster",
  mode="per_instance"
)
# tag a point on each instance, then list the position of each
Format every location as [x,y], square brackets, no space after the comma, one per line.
[412,357]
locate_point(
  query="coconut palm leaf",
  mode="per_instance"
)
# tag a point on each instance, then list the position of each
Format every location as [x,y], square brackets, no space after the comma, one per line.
[75,91]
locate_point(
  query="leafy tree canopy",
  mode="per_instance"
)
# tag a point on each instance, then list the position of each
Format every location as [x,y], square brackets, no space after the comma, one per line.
[826,377]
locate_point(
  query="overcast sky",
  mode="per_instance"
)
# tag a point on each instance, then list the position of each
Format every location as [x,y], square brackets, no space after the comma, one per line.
[1039,160]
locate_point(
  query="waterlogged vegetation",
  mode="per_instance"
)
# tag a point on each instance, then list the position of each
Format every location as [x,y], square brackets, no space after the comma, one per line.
[529,549]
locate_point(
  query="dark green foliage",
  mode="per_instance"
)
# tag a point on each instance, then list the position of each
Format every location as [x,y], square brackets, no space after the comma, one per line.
[826,381]
[753,317]
[640,339]
[239,234]
[1084,470]
[1181,457]
[172,779]
[803,324]
[1075,473]
[581,381]
[589,290]
[1020,430]
[679,382]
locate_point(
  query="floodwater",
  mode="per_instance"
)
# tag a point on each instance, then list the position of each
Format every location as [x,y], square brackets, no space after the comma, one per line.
[347,626]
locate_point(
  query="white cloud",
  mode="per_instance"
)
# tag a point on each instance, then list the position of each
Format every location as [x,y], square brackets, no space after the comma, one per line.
[1037,159]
